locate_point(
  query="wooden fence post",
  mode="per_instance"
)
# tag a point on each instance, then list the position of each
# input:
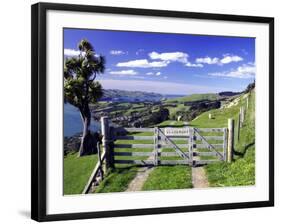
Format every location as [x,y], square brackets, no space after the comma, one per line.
[100,162]
[224,144]
[111,147]
[242,115]
[230,142]
[238,126]
[106,142]
[191,138]
[156,139]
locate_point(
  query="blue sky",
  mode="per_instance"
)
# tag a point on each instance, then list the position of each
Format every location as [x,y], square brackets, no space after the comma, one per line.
[169,63]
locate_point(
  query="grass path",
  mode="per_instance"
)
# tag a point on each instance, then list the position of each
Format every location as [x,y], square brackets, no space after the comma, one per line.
[137,183]
[199,178]
[142,174]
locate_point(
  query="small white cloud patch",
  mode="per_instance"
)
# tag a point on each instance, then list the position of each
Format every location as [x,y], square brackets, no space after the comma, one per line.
[169,56]
[226,59]
[174,57]
[245,71]
[154,73]
[196,65]
[143,63]
[71,52]
[117,52]
[124,72]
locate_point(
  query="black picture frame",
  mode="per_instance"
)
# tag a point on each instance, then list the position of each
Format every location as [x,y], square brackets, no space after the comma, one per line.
[39,122]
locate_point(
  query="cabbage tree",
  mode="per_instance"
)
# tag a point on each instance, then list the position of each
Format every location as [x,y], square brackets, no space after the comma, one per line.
[81,89]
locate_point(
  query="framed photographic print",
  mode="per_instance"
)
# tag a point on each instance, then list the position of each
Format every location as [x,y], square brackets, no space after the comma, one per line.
[139,111]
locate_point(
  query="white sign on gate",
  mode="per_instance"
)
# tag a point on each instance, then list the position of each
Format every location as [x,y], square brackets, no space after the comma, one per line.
[176,131]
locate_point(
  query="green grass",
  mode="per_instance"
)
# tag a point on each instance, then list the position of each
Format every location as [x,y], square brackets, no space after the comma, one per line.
[169,177]
[238,173]
[117,180]
[180,107]
[241,171]
[195,97]
[170,123]
[76,172]
[219,118]
[138,109]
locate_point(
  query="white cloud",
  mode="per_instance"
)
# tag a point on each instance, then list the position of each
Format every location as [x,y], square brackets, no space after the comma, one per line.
[225,60]
[117,52]
[163,87]
[71,52]
[169,56]
[196,65]
[228,59]
[154,73]
[207,60]
[74,53]
[174,57]
[124,72]
[245,71]
[143,63]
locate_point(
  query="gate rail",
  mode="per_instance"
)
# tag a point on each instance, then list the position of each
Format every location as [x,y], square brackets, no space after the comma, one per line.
[195,141]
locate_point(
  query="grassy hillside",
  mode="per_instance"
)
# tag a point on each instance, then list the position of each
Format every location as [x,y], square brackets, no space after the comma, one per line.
[241,172]
[195,97]
[76,172]
[173,110]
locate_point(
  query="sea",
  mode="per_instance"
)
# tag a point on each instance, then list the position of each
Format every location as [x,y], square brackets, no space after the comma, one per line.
[73,122]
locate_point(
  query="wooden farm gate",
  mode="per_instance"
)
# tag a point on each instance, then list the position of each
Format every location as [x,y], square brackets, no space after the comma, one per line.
[170,146]
[163,146]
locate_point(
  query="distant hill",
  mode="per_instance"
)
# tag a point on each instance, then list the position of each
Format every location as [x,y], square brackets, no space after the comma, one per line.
[115,95]
[229,93]
[195,97]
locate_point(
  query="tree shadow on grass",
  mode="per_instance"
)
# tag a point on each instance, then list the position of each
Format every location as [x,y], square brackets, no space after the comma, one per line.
[242,154]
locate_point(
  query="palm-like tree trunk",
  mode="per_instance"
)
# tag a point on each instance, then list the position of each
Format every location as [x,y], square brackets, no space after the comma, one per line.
[86,145]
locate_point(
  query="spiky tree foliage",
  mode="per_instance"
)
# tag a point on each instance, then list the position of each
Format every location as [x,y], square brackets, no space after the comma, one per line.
[80,87]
